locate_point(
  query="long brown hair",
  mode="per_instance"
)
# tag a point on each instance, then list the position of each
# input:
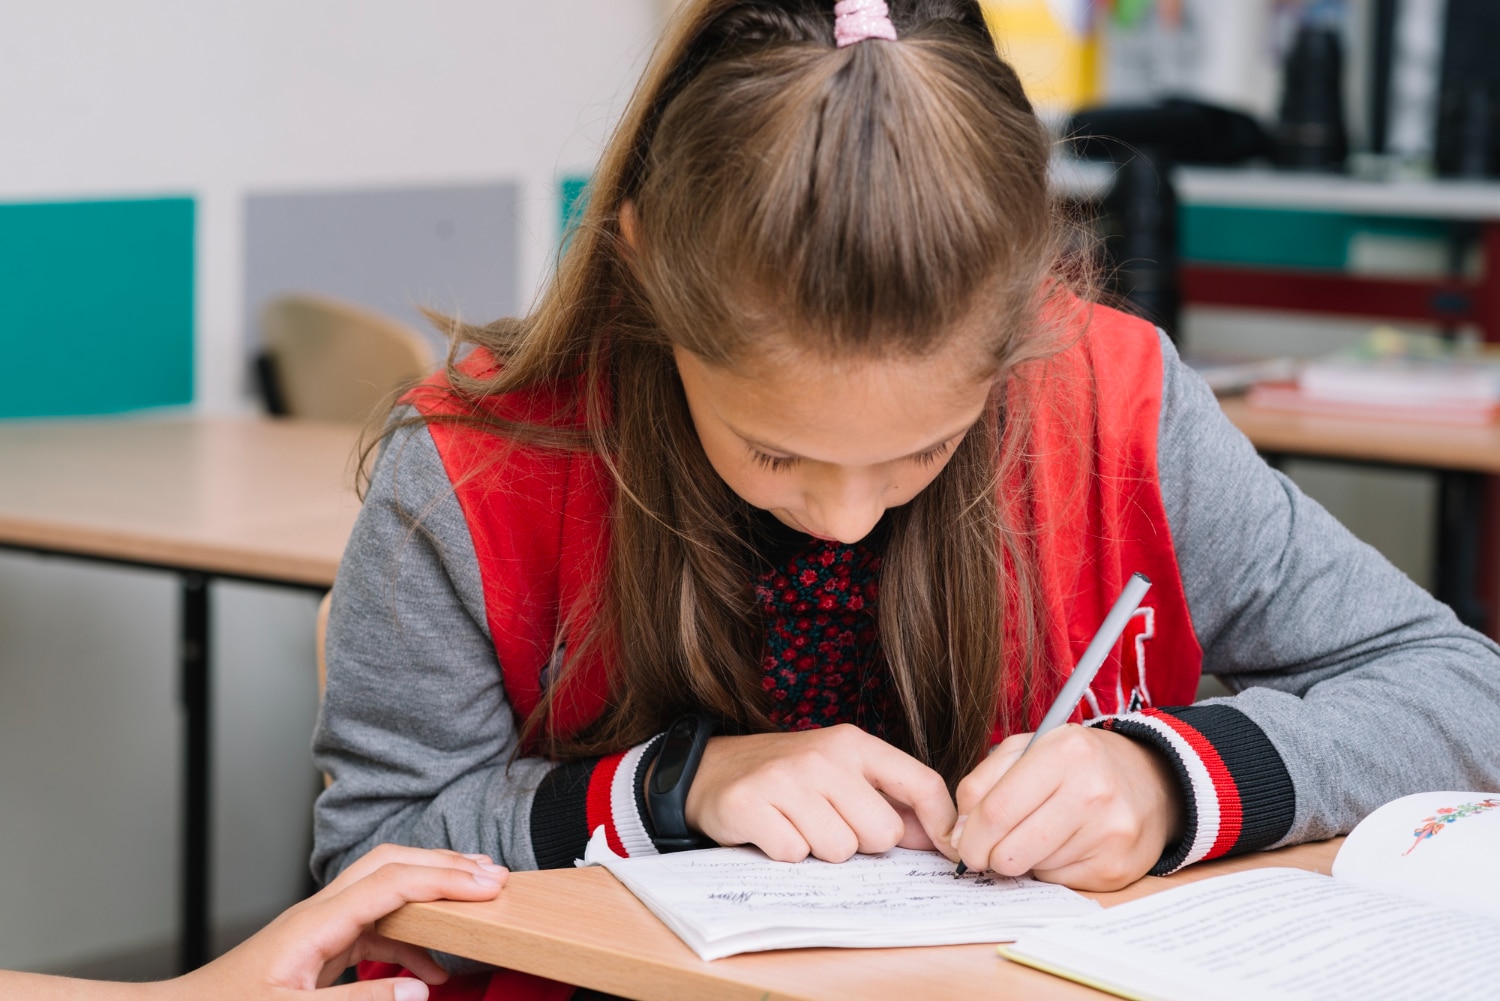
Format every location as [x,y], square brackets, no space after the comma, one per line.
[873,200]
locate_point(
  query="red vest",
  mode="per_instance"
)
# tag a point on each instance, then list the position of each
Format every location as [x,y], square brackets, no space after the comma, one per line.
[540,525]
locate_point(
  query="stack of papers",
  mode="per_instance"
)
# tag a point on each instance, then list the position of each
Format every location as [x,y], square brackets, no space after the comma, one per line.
[724,901]
[1395,375]
[1228,374]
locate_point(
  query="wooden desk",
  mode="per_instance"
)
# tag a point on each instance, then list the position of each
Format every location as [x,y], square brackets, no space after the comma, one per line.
[257,500]
[1394,443]
[581,926]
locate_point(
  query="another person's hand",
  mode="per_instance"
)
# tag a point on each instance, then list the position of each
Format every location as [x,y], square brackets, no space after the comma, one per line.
[828,793]
[1086,808]
[310,945]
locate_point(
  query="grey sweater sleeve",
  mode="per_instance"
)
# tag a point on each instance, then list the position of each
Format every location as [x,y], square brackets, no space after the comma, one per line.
[415,732]
[1365,686]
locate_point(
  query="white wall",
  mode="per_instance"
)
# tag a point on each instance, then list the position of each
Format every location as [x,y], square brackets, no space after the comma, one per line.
[217,99]
[214,100]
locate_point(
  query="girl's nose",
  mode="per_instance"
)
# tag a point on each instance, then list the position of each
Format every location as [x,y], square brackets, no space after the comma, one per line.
[846,512]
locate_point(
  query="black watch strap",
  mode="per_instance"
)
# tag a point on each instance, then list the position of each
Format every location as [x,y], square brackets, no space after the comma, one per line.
[677,759]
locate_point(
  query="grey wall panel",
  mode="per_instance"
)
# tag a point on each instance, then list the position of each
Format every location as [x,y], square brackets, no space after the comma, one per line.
[450,248]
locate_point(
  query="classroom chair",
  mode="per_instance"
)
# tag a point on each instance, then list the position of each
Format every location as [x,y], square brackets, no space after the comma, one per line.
[333,361]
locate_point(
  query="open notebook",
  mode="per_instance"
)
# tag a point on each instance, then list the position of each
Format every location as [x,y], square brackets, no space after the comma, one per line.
[723,901]
[1412,910]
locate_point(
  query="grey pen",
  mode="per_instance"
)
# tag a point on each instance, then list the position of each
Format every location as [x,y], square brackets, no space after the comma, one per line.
[1088,665]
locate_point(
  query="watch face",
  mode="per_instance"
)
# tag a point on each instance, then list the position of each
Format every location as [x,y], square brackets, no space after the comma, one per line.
[667,773]
[675,748]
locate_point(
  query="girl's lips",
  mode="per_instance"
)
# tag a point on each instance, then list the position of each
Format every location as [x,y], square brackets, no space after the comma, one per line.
[806,531]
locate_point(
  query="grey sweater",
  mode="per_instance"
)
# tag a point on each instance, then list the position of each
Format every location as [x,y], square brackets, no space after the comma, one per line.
[1353,686]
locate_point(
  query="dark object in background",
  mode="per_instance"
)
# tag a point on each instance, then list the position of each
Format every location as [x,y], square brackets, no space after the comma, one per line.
[268,381]
[1382,56]
[1311,134]
[1468,131]
[1138,221]
[1138,218]
[1180,129]
[1467,143]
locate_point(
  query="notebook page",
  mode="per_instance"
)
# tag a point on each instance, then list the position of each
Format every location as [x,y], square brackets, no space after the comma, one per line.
[1274,933]
[727,900]
[1442,847]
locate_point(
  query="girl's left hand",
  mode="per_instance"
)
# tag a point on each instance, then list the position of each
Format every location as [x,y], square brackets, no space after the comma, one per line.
[1085,807]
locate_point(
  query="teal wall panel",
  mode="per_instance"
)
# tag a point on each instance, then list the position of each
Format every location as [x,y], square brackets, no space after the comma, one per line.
[573,199]
[1285,237]
[96,306]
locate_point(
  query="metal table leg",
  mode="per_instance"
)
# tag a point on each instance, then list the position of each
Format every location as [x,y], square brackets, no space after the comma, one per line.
[1460,530]
[194,943]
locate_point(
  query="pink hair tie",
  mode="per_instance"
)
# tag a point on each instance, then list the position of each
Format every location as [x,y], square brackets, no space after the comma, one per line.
[857,20]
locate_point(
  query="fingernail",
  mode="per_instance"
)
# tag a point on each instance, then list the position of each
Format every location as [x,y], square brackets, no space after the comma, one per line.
[493,869]
[408,989]
[477,858]
[958,830]
[488,882]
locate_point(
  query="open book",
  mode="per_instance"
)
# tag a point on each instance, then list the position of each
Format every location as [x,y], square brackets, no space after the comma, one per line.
[723,901]
[1412,910]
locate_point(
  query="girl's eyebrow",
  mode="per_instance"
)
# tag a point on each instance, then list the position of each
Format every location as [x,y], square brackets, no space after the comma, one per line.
[783,453]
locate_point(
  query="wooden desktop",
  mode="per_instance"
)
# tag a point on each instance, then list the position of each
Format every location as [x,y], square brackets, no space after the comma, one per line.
[254,498]
[1392,442]
[583,927]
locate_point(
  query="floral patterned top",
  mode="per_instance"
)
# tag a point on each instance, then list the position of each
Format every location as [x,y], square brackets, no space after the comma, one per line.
[822,662]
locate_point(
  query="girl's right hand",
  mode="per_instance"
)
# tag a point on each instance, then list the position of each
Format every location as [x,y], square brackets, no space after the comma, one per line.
[828,793]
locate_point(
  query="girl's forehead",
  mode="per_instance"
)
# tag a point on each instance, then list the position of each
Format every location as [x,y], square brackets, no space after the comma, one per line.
[847,410]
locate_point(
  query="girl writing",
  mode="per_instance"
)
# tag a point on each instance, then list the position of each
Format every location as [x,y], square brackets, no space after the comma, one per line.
[811,456]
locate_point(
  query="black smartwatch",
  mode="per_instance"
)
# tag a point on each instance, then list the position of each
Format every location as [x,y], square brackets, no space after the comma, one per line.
[671,778]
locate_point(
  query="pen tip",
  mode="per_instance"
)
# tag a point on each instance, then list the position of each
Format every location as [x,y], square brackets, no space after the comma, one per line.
[960,870]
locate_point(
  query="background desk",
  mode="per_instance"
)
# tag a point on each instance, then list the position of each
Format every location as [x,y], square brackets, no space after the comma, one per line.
[582,926]
[1464,459]
[256,500]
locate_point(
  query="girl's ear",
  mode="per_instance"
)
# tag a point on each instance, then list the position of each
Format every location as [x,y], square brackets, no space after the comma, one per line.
[628,225]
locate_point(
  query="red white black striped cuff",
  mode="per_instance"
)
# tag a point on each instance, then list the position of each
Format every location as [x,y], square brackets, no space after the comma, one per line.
[621,804]
[1236,792]
[579,797]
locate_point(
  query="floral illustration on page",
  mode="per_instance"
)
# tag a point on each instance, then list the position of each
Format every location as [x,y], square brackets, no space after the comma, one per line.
[1447,815]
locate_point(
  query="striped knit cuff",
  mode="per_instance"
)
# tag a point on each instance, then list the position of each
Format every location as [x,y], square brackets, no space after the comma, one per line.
[579,797]
[1236,793]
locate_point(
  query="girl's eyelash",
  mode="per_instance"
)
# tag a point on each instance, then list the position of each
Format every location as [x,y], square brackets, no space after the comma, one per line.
[778,463]
[775,463]
[932,455]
